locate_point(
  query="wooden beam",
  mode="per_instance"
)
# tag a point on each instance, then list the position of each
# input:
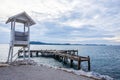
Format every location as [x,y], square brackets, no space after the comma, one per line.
[24,53]
[28,42]
[9,54]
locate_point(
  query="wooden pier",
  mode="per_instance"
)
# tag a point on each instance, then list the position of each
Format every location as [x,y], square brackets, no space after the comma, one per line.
[63,55]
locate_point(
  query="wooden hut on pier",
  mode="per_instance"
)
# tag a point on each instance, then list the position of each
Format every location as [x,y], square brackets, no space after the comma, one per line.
[20,38]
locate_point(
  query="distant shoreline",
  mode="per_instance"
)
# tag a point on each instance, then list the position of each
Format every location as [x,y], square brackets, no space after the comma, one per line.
[44,43]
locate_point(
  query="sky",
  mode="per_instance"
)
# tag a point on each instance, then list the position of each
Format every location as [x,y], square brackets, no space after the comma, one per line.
[66,21]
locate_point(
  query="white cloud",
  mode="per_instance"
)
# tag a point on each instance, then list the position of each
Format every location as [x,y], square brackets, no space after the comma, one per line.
[114,39]
[100,14]
[46,8]
[73,23]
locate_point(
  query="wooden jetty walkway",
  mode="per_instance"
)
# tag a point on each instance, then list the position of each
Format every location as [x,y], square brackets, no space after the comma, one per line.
[63,55]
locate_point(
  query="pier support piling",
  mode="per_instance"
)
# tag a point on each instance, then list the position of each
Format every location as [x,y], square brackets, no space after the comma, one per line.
[37,54]
[71,63]
[89,68]
[79,63]
[31,54]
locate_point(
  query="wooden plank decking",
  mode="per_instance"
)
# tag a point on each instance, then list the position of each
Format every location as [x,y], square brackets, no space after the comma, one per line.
[63,55]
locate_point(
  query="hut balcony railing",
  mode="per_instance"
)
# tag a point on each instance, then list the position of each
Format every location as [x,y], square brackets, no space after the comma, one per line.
[21,36]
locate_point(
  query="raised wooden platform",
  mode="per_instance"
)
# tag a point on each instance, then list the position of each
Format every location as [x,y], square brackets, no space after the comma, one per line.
[63,55]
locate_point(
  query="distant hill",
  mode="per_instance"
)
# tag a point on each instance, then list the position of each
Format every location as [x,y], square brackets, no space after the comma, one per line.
[44,43]
[36,42]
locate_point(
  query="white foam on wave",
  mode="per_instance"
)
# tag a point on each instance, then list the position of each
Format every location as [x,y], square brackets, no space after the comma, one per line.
[91,74]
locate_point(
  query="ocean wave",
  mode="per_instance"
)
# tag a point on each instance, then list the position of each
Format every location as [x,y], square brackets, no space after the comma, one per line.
[90,74]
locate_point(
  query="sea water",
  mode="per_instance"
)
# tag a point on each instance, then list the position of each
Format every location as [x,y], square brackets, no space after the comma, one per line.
[104,59]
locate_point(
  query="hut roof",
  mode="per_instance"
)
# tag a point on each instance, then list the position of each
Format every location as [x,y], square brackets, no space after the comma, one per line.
[21,18]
